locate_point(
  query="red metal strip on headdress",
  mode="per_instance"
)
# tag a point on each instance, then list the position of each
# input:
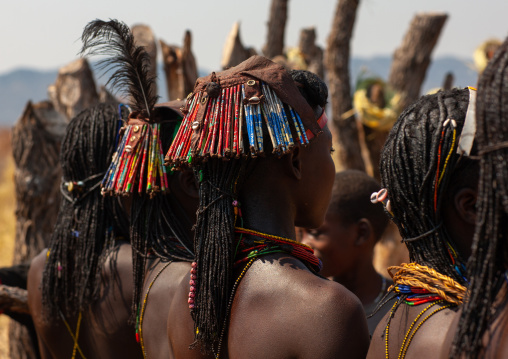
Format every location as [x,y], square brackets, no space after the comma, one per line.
[322,120]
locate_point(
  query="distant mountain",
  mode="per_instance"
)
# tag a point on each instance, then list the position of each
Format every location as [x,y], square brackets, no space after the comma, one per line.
[463,71]
[19,86]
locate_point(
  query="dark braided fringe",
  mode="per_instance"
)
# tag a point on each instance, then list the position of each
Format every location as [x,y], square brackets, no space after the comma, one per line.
[408,170]
[214,248]
[86,151]
[487,263]
[158,225]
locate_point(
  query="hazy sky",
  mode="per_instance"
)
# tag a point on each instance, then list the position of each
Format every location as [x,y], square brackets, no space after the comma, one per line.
[45,34]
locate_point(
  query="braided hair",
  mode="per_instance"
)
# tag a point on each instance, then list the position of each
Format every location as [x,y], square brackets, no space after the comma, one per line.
[220,183]
[421,169]
[487,264]
[87,223]
[158,223]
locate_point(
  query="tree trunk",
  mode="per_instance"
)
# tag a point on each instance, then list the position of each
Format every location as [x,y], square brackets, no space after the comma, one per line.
[337,67]
[74,89]
[188,65]
[276,27]
[312,53]
[13,299]
[412,58]
[143,36]
[234,52]
[180,68]
[409,67]
[36,139]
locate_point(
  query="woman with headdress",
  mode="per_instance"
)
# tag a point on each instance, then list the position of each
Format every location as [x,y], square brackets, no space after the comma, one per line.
[482,330]
[161,206]
[257,140]
[430,185]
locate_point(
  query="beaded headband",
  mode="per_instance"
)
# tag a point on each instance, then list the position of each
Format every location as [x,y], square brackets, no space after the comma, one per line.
[258,94]
[138,162]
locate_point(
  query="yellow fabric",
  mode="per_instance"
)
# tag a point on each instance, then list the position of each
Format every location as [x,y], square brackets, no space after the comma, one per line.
[480,56]
[296,59]
[372,116]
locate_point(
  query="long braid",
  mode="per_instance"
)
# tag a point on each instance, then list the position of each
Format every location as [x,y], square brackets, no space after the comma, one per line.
[220,183]
[158,225]
[488,260]
[87,223]
[214,251]
[419,166]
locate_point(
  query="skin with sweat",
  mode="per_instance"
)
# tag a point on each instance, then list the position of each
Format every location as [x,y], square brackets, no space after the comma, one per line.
[274,293]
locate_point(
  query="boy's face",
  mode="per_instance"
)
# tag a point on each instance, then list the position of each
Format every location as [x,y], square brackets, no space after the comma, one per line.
[334,244]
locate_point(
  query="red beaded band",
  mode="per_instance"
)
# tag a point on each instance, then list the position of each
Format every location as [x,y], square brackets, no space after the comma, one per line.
[323,119]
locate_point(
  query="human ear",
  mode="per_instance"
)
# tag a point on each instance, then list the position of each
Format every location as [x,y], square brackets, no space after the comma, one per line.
[363,231]
[187,183]
[465,205]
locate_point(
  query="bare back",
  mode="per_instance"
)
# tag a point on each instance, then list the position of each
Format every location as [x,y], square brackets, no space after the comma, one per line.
[105,331]
[282,310]
[165,312]
[426,342]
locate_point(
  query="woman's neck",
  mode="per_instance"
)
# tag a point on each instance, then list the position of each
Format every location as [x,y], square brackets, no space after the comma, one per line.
[268,214]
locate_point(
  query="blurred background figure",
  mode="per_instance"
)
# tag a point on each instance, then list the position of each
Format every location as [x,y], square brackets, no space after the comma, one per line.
[345,242]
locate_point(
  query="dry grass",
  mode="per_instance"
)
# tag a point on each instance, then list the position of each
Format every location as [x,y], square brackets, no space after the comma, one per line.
[7,222]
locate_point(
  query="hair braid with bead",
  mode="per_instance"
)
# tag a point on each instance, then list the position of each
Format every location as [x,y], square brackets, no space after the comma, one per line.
[421,169]
[87,222]
[488,262]
[158,224]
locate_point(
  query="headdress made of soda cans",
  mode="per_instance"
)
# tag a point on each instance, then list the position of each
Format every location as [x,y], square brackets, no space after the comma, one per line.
[229,112]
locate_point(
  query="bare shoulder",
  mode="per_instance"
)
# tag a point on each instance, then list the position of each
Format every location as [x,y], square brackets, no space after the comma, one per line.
[301,315]
[448,340]
[34,278]
[423,333]
[34,295]
[431,336]
[377,344]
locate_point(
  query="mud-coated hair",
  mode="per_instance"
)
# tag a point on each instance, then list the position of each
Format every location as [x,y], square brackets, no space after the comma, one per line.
[488,262]
[220,182]
[420,150]
[88,223]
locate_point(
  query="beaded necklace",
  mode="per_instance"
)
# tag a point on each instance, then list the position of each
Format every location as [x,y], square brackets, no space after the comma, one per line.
[250,249]
[75,337]
[141,313]
[418,284]
[263,243]
[411,333]
[415,285]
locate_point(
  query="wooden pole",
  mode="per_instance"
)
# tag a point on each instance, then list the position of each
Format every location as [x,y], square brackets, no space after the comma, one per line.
[234,52]
[412,58]
[144,36]
[312,53]
[180,68]
[409,67]
[276,28]
[74,89]
[337,67]
[13,299]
